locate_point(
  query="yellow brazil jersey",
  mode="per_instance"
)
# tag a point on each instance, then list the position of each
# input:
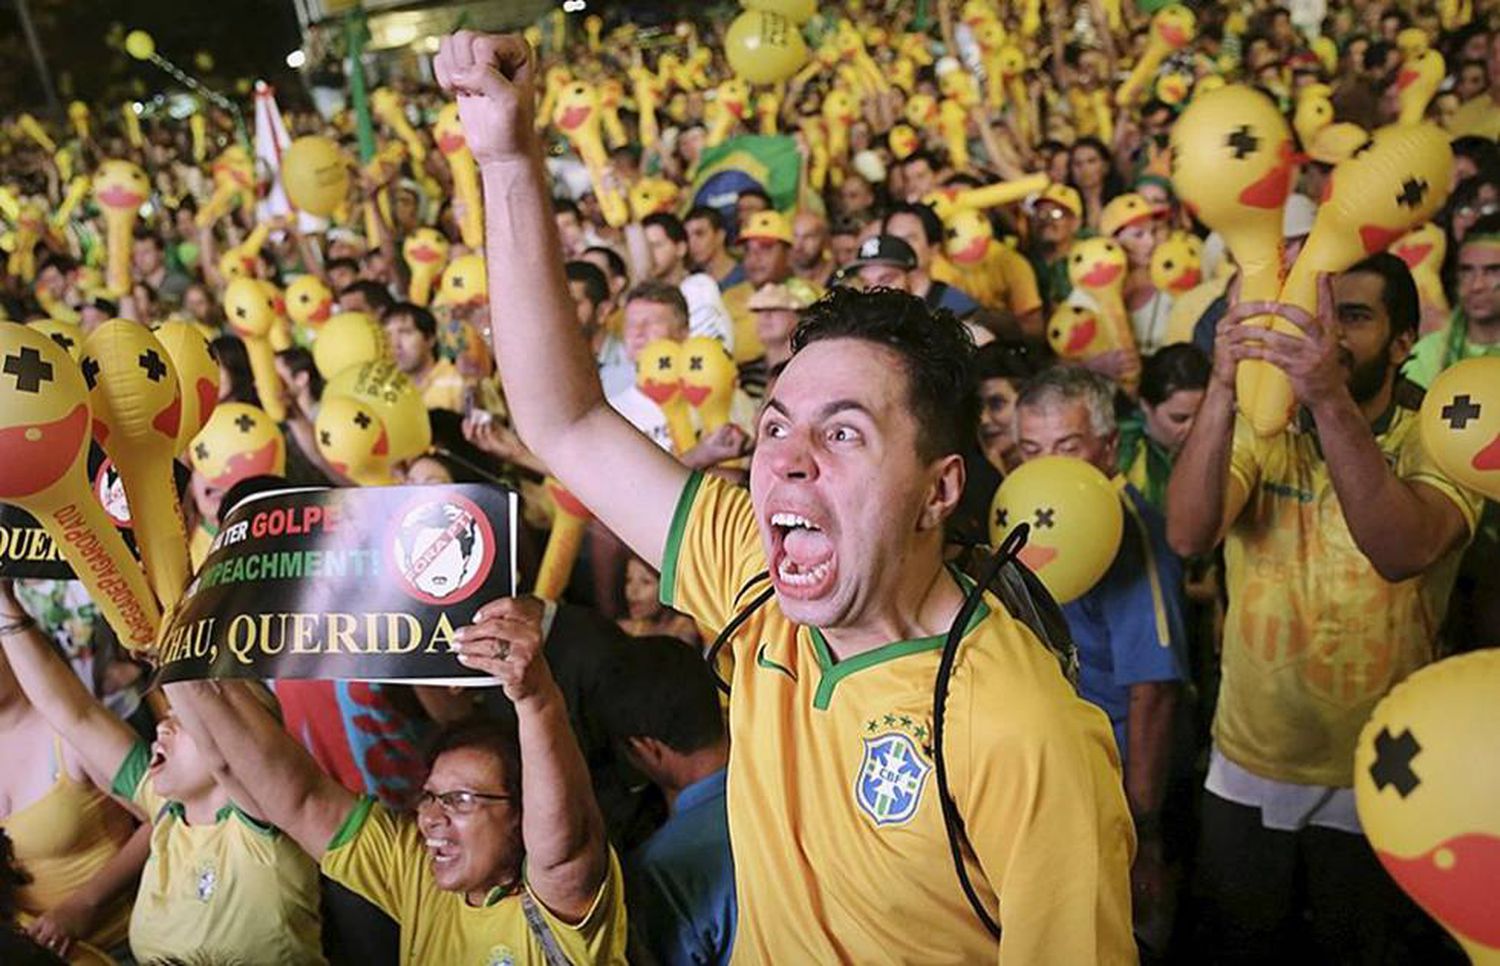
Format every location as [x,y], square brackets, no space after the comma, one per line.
[379,854]
[839,845]
[1003,280]
[443,387]
[236,891]
[1314,636]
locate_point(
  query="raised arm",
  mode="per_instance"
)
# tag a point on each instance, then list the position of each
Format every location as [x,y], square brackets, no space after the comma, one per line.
[245,745]
[101,739]
[567,856]
[548,373]
[1202,500]
[1401,526]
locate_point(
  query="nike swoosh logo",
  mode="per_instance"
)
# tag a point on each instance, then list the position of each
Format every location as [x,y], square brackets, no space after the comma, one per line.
[762,661]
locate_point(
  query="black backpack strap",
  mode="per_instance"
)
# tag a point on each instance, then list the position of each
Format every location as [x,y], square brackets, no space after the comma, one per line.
[738,621]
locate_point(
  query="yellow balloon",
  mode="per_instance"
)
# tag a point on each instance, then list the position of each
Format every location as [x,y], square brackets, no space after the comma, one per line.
[1428,794]
[353,439]
[658,375]
[464,282]
[708,380]
[797,11]
[1172,28]
[1232,165]
[1461,424]
[392,397]
[137,408]
[764,48]
[426,252]
[239,441]
[44,435]
[346,340]
[569,524]
[309,302]
[250,309]
[315,174]
[1075,517]
[120,188]
[1396,181]
[197,376]
[139,45]
[65,334]
[1177,263]
[1075,332]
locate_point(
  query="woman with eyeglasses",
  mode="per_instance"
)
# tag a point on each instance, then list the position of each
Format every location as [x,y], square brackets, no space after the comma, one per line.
[220,885]
[506,855]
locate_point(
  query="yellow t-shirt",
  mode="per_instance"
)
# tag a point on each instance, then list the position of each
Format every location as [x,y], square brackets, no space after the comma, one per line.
[1478,115]
[236,891]
[747,344]
[1003,280]
[1314,636]
[379,854]
[443,387]
[840,851]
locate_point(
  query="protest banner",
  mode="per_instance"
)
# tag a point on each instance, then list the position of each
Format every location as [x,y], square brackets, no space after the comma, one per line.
[361,584]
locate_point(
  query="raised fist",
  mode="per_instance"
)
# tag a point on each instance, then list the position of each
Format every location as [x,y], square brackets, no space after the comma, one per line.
[491,75]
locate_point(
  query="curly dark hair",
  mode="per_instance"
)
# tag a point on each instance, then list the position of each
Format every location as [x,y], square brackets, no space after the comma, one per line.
[936,349]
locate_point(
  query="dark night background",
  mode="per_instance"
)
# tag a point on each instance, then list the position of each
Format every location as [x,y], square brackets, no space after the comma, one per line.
[246,39]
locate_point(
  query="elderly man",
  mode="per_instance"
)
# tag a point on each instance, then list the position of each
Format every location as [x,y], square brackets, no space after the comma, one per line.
[1128,627]
[840,843]
[506,853]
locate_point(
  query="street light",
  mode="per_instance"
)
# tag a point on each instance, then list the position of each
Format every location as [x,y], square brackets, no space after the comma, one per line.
[296,59]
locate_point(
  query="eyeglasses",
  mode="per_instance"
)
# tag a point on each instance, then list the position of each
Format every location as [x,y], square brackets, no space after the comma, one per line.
[460,801]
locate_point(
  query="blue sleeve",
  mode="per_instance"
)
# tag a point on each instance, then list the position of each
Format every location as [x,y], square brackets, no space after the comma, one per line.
[1147,635]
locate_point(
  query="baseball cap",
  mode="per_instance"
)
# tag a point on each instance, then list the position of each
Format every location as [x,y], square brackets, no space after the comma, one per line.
[767,226]
[1062,196]
[884,250]
[1126,210]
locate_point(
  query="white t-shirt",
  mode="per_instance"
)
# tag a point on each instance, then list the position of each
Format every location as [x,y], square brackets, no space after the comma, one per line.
[647,416]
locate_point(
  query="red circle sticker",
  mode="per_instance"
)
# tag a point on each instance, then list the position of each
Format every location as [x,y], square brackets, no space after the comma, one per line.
[442,548]
[109,490]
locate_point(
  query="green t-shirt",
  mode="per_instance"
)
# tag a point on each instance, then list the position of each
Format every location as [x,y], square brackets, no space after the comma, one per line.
[1438,350]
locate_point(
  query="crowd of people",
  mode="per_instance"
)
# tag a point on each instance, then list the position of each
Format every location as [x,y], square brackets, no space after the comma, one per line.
[720,738]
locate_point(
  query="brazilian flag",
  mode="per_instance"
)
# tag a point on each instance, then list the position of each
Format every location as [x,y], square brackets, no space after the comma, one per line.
[769,163]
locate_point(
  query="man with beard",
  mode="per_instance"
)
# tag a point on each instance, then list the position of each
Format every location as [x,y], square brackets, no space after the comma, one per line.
[840,844]
[1342,538]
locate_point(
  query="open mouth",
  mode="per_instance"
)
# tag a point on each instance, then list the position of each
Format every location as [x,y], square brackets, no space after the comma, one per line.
[1454,882]
[1100,275]
[972,252]
[1413,255]
[39,454]
[1488,459]
[803,564]
[1082,334]
[573,117]
[1377,238]
[1271,190]
[441,851]
[118,196]
[1189,279]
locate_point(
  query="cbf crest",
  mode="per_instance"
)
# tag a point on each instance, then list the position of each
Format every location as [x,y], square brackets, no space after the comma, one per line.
[891,777]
